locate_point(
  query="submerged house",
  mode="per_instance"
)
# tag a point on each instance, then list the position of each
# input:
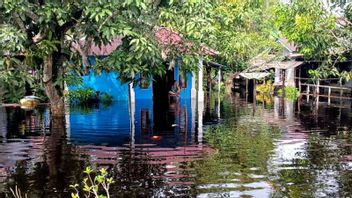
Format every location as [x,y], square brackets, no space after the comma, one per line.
[148,88]
[143,103]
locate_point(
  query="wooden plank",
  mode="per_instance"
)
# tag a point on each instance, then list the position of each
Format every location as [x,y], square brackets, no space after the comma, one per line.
[326,86]
[326,96]
[329,96]
[18,105]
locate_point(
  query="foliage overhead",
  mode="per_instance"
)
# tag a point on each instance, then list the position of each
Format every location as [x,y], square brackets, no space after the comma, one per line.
[62,31]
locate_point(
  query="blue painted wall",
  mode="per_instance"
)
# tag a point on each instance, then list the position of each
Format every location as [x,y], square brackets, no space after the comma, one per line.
[144,93]
[186,92]
[108,82]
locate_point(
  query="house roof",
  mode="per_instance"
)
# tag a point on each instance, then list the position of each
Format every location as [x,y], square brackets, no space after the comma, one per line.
[274,64]
[254,75]
[289,46]
[164,36]
[100,50]
[284,64]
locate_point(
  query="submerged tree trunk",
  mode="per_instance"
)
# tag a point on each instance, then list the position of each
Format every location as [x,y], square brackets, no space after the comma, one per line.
[57,105]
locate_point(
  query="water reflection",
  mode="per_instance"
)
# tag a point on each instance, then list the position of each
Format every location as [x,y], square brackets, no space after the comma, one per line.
[270,148]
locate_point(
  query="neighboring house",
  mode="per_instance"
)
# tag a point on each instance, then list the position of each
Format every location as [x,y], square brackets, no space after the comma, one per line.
[285,71]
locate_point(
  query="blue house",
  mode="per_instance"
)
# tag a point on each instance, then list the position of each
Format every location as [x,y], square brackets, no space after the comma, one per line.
[145,112]
[108,82]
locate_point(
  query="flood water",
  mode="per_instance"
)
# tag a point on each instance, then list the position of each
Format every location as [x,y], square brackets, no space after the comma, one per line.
[231,148]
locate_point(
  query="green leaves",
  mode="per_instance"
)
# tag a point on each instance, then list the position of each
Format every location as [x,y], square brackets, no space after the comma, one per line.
[11,39]
[310,26]
[94,185]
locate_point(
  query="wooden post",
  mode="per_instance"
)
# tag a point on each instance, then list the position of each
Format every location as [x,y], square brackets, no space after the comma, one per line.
[254,96]
[246,90]
[308,92]
[219,79]
[283,79]
[329,96]
[200,80]
[246,86]
[132,110]
[318,87]
[299,80]
[299,85]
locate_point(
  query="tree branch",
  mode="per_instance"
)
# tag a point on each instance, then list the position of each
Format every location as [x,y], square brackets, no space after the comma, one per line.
[32,15]
[20,22]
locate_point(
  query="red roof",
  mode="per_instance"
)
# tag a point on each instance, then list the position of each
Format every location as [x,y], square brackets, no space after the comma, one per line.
[164,36]
[102,50]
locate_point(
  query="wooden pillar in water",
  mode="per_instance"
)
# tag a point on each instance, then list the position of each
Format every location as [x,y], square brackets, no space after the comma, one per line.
[219,79]
[329,96]
[219,91]
[299,80]
[308,87]
[246,90]
[132,110]
[254,95]
[200,102]
[318,87]
[209,87]
[200,80]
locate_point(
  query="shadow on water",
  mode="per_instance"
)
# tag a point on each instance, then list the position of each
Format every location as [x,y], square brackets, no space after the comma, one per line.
[269,148]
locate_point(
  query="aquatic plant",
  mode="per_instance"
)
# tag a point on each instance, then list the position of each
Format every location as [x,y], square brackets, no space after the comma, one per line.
[106,99]
[96,184]
[87,95]
[81,95]
[289,92]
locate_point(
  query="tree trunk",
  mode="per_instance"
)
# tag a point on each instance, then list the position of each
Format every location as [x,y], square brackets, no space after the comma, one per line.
[57,105]
[229,83]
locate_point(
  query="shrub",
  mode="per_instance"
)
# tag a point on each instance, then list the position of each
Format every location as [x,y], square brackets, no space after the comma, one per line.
[82,95]
[106,99]
[96,184]
[87,96]
[289,92]
[265,88]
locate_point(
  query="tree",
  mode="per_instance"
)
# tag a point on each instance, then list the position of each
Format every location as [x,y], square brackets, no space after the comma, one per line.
[322,31]
[238,29]
[39,35]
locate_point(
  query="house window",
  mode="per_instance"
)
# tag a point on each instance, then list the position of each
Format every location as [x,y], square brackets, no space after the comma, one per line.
[182,81]
[144,83]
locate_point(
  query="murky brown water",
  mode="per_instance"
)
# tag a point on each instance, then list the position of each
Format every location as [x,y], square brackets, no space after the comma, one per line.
[277,149]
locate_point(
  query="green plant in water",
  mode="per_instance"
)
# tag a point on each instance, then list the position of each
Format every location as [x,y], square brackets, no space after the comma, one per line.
[82,95]
[106,99]
[94,186]
[289,92]
[86,96]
